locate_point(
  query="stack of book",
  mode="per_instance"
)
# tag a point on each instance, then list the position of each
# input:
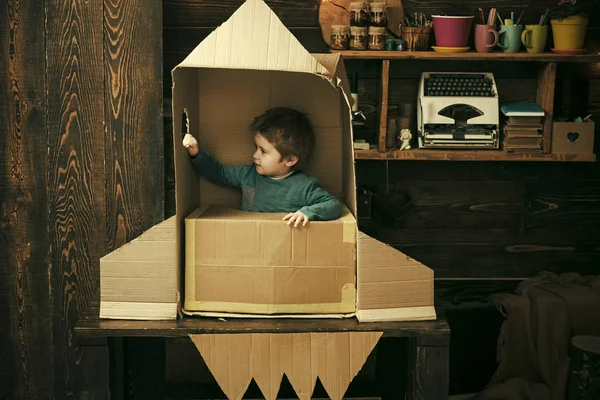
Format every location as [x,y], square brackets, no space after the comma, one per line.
[523,128]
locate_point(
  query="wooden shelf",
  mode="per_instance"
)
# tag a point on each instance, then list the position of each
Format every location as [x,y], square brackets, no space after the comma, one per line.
[469,56]
[467,155]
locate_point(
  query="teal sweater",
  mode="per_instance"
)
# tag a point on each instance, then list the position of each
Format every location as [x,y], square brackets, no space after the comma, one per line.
[297,192]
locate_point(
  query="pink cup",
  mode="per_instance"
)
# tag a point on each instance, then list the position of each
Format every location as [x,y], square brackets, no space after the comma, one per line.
[451,31]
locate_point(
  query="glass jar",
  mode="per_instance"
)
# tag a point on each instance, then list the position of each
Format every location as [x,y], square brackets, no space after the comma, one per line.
[359,37]
[340,37]
[377,37]
[359,14]
[379,15]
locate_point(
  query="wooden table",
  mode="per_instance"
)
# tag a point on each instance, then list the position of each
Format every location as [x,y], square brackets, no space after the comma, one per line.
[428,346]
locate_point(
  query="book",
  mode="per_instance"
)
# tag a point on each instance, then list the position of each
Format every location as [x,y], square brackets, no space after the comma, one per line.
[513,126]
[522,109]
[523,150]
[533,142]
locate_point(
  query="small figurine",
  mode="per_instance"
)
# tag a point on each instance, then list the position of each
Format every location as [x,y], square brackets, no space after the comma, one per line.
[405,137]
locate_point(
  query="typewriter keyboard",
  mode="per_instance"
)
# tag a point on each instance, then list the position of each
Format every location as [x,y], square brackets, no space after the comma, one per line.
[465,85]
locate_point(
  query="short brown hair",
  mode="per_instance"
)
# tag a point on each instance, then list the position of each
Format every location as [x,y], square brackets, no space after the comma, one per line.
[288,130]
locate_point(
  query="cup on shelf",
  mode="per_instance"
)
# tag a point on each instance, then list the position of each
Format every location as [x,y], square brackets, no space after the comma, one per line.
[510,38]
[486,38]
[534,38]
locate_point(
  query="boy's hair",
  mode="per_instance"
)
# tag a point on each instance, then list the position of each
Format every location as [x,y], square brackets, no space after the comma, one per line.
[289,131]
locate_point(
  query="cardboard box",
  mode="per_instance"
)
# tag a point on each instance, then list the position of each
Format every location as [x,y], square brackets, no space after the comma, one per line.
[252,263]
[573,137]
[248,64]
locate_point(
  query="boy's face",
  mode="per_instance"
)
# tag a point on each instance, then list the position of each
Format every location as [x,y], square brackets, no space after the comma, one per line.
[267,160]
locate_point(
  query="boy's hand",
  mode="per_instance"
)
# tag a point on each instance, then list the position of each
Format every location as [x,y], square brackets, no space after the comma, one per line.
[191,144]
[296,219]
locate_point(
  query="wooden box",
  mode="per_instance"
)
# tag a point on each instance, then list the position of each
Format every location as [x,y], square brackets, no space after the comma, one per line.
[573,137]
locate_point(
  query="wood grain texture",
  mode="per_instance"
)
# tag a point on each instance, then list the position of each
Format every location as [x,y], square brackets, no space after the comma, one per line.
[545,98]
[429,373]
[133,113]
[212,13]
[383,112]
[76,174]
[92,372]
[25,306]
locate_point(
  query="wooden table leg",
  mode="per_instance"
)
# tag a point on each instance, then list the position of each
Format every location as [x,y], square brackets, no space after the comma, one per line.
[146,359]
[116,368]
[428,370]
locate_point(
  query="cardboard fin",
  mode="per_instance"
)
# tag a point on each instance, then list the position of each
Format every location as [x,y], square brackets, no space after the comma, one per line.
[227,357]
[150,261]
[297,364]
[253,38]
[335,358]
[391,285]
[334,364]
[266,374]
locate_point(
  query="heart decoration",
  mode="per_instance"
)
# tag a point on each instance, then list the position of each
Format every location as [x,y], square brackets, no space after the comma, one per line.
[572,136]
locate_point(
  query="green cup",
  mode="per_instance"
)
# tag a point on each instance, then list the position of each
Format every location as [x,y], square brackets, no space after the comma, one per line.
[510,38]
[534,38]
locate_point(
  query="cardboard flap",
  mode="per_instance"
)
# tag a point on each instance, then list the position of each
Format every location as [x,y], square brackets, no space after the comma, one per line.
[253,38]
[150,260]
[337,70]
[335,358]
[391,285]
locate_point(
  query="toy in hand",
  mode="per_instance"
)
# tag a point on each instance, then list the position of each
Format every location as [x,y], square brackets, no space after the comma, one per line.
[191,144]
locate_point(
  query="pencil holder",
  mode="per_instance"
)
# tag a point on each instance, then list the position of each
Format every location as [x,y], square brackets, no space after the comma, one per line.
[417,38]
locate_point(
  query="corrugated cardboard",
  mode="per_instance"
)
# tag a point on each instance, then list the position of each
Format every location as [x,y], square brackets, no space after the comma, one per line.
[248,64]
[335,358]
[139,279]
[245,262]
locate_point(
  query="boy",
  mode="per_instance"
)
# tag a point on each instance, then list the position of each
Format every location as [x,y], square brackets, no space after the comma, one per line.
[284,139]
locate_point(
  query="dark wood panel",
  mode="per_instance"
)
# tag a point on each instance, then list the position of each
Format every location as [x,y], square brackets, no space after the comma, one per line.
[133,112]
[76,174]
[497,253]
[92,373]
[470,291]
[25,306]
[563,205]
[190,13]
[480,171]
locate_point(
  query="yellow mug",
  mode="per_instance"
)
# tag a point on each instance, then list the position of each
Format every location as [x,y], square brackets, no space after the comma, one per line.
[534,38]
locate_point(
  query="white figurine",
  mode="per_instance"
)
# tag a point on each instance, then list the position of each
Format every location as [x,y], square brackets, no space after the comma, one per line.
[405,137]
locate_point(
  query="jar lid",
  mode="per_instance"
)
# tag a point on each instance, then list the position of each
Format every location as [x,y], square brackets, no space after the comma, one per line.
[358,5]
[378,6]
[381,30]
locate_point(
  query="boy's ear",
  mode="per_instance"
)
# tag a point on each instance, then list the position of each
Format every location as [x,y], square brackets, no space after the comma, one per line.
[290,161]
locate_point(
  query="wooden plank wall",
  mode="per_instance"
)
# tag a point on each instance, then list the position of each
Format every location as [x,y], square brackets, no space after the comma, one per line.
[81,169]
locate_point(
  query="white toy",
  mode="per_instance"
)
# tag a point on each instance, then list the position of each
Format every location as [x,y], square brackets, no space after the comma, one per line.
[405,137]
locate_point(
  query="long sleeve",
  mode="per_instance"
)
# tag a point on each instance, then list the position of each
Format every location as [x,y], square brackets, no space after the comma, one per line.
[321,205]
[221,174]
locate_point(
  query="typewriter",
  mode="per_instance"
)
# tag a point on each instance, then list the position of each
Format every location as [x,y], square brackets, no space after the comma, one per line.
[458,110]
